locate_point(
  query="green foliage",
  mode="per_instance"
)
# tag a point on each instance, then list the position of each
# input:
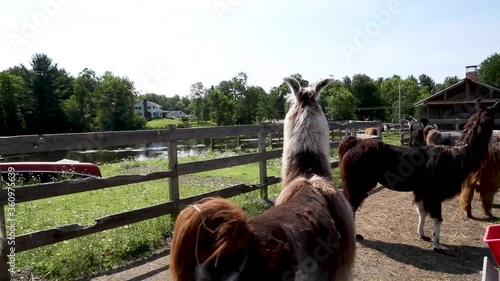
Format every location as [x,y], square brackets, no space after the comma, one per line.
[11,91]
[341,104]
[116,99]
[221,107]
[489,70]
[366,92]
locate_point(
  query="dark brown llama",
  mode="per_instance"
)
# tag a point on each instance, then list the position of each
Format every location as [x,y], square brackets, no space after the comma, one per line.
[433,173]
[308,235]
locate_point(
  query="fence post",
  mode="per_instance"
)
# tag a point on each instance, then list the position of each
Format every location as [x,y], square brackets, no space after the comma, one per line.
[4,266]
[457,124]
[263,167]
[173,181]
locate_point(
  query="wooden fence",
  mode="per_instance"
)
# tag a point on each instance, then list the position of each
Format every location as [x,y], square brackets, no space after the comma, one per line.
[87,141]
[453,124]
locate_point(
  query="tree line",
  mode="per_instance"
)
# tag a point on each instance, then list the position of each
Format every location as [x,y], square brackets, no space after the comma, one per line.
[44,98]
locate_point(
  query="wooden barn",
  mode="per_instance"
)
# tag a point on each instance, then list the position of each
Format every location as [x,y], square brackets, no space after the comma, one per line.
[457,101]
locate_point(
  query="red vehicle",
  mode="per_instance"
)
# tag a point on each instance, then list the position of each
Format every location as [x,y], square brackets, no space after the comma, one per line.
[48,171]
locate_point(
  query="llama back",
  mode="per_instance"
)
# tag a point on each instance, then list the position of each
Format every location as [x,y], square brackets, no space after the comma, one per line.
[346,144]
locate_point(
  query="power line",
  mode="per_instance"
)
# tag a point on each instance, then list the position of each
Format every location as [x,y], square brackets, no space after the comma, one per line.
[380,107]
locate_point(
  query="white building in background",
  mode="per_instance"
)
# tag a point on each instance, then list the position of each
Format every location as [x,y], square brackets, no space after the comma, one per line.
[149,109]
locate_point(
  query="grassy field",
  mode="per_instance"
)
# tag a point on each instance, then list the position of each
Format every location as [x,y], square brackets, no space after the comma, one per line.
[94,253]
[165,122]
[98,252]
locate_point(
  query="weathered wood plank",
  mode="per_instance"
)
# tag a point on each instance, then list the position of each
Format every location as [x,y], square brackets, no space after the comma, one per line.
[214,164]
[47,190]
[86,141]
[263,167]
[66,232]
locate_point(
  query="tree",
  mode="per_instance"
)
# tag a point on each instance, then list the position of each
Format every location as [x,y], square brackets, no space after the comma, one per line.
[198,93]
[11,119]
[341,105]
[116,99]
[366,92]
[220,107]
[49,85]
[489,70]
[426,81]
[448,81]
[80,107]
[249,107]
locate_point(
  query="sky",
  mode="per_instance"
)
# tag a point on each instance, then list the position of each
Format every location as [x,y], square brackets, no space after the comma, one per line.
[164,46]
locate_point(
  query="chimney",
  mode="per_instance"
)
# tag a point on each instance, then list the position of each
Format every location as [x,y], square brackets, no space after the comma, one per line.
[471,72]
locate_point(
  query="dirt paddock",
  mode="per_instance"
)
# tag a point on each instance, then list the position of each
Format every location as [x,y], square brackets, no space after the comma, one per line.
[392,250]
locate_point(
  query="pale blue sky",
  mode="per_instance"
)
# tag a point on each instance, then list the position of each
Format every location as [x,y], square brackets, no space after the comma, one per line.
[193,41]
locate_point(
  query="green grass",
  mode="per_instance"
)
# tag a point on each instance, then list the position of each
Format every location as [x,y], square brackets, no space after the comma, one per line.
[165,122]
[97,252]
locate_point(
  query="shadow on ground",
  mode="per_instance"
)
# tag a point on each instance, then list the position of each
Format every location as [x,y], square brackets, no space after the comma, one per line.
[457,259]
[143,275]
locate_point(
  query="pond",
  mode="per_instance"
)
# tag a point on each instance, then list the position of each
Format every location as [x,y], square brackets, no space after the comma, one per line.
[113,155]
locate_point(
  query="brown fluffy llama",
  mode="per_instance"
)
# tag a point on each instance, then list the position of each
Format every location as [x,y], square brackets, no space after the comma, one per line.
[371,131]
[435,137]
[310,235]
[485,180]
[433,173]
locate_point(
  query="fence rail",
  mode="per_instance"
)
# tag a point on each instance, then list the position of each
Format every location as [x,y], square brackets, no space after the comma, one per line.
[85,141]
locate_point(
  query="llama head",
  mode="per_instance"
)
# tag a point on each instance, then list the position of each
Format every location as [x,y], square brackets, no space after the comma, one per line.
[480,123]
[306,96]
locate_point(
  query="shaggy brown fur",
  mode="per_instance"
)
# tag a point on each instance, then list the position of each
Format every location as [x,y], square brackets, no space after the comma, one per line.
[282,243]
[371,131]
[433,173]
[485,180]
[308,235]
[419,135]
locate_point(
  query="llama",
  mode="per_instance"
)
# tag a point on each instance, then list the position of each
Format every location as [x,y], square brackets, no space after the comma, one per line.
[433,173]
[418,134]
[371,131]
[308,235]
[485,180]
[435,137]
[387,129]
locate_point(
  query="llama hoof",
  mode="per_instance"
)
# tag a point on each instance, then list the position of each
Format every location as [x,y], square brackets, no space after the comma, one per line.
[425,238]
[439,251]
[359,237]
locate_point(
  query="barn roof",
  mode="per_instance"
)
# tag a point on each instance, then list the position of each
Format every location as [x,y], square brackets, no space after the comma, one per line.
[461,82]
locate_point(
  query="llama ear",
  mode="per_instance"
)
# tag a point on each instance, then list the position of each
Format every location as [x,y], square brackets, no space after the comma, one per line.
[478,103]
[293,84]
[323,83]
[495,105]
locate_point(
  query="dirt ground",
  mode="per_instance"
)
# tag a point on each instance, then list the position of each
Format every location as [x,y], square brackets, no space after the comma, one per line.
[392,250]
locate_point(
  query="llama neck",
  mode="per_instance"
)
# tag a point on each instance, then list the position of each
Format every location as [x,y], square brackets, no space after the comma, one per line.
[477,145]
[306,149]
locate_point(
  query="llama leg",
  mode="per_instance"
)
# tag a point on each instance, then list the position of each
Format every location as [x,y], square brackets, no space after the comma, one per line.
[422,213]
[433,206]
[487,201]
[437,232]
[466,198]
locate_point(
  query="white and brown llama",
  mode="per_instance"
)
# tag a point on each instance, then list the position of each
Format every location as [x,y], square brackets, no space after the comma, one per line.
[308,235]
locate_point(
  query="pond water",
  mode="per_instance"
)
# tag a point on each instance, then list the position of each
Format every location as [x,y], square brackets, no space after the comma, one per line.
[101,156]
